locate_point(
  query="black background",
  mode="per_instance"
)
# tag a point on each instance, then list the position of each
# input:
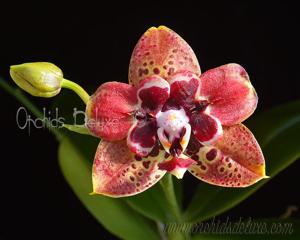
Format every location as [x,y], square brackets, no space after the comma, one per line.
[93,44]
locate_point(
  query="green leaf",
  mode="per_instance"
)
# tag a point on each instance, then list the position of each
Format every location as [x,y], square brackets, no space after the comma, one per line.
[277,131]
[150,203]
[113,214]
[263,229]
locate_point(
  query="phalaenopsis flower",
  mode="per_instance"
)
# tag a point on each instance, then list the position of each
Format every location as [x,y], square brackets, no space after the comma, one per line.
[171,118]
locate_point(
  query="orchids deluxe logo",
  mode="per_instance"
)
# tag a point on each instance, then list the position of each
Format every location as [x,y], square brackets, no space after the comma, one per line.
[49,119]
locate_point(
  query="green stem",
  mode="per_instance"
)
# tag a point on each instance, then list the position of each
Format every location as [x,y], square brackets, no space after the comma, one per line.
[18,94]
[168,188]
[77,89]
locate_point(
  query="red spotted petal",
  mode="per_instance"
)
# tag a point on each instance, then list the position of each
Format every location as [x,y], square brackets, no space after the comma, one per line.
[109,110]
[231,96]
[153,92]
[235,161]
[206,128]
[118,173]
[162,52]
[185,88]
[142,137]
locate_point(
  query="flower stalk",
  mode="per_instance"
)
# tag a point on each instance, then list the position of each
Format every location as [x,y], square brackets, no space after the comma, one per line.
[168,188]
[77,89]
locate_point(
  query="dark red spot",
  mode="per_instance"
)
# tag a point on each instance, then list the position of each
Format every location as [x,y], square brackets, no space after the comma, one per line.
[239,175]
[133,166]
[170,62]
[156,71]
[138,184]
[203,167]
[138,158]
[145,64]
[147,53]
[165,67]
[235,169]
[199,163]
[140,173]
[146,164]
[175,50]
[151,62]
[155,151]
[230,175]
[227,159]
[222,169]
[167,155]
[171,56]
[131,178]
[211,155]
[171,71]
[157,176]
[193,146]
[229,165]
[146,71]
[195,157]
[140,72]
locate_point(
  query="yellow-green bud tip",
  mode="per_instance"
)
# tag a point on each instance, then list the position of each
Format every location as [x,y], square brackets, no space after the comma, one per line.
[40,79]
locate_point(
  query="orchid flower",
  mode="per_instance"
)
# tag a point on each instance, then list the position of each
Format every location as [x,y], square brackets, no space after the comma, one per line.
[171,118]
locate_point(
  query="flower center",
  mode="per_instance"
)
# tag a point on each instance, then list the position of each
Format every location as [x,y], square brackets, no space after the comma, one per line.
[173,130]
[172,121]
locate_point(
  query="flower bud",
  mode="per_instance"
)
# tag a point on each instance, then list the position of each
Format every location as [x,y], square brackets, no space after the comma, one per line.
[41,79]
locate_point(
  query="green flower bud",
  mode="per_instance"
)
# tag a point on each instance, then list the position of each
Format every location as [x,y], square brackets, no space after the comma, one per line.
[40,79]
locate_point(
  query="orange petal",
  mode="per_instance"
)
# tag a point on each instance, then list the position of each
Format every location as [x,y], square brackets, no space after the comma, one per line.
[236,160]
[117,172]
[162,52]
